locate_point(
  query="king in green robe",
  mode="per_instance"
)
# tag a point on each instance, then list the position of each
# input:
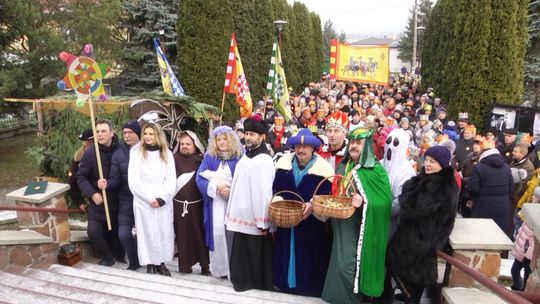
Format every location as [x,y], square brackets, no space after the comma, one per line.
[357,263]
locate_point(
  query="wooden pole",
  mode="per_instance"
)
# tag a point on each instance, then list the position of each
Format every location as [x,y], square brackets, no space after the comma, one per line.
[98,158]
[39,116]
[222,105]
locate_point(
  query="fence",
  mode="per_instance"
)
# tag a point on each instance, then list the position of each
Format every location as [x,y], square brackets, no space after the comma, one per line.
[9,120]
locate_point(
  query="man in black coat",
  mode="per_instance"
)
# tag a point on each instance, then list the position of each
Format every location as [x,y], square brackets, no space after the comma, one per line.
[87,138]
[87,179]
[510,136]
[118,182]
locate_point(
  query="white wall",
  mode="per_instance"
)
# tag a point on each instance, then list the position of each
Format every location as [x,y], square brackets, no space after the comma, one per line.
[395,63]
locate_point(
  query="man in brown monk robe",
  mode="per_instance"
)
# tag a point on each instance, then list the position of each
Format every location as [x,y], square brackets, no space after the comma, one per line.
[188,206]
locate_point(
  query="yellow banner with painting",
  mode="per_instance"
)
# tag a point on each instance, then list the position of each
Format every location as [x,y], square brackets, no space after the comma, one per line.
[366,63]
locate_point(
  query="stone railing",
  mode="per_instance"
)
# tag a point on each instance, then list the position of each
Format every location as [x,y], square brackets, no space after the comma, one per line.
[53,225]
[532,218]
[42,233]
[478,243]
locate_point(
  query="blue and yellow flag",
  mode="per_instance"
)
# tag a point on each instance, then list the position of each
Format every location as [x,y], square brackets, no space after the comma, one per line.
[171,85]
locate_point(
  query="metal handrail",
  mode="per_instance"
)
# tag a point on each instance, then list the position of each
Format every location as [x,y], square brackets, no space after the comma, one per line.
[485,280]
[39,209]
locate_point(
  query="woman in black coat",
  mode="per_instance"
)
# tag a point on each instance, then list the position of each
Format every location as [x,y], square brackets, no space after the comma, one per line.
[428,205]
[491,187]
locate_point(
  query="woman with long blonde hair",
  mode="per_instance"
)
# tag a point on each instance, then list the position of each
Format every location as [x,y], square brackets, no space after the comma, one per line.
[152,180]
[214,179]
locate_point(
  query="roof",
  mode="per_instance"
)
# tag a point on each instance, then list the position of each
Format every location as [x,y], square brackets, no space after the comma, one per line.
[375,41]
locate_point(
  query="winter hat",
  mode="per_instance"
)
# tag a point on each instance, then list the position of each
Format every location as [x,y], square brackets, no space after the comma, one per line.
[134,126]
[449,144]
[518,175]
[537,192]
[86,135]
[441,154]
[256,124]
[304,137]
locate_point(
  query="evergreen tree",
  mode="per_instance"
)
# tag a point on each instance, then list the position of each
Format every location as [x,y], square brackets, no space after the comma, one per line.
[471,66]
[405,45]
[532,58]
[342,37]
[329,33]
[281,10]
[502,50]
[303,43]
[144,20]
[204,35]
[254,29]
[317,63]
[29,67]
[474,54]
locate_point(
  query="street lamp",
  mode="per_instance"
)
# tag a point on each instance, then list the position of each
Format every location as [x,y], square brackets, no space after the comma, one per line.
[279,24]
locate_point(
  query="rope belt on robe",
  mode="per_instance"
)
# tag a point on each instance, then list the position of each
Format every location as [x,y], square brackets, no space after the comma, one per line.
[298,175]
[185,205]
[181,181]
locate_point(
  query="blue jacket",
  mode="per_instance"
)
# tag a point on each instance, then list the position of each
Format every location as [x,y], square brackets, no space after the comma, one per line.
[210,163]
[118,182]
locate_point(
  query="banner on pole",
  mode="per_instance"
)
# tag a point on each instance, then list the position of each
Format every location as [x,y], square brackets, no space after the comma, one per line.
[365,63]
[236,82]
[277,83]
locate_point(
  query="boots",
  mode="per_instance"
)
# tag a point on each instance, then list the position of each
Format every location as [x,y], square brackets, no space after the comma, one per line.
[162,269]
[150,268]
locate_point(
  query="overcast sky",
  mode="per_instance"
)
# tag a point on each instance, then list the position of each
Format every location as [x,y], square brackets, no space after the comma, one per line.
[367,17]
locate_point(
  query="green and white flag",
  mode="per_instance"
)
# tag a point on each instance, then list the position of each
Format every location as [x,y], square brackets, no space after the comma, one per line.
[277,83]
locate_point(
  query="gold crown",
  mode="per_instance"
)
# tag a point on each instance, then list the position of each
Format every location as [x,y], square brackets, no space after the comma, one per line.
[470,128]
[484,142]
[526,138]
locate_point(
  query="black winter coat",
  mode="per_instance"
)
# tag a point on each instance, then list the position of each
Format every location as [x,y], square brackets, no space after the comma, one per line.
[428,205]
[118,182]
[491,186]
[88,176]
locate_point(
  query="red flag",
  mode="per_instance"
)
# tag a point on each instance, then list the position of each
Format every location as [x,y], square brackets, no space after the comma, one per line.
[236,82]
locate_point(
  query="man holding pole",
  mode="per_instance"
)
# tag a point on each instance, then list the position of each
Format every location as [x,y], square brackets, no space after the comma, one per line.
[87,179]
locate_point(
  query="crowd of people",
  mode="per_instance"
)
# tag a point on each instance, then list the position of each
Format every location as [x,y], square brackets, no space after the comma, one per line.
[408,169]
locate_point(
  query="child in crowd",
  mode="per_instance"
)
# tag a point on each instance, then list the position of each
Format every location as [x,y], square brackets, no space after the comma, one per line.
[522,251]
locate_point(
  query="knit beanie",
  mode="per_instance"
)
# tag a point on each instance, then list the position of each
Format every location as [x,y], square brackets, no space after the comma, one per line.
[134,126]
[441,154]
[537,192]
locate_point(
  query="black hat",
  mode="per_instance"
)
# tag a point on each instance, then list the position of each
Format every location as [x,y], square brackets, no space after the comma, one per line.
[134,126]
[86,135]
[256,124]
[512,131]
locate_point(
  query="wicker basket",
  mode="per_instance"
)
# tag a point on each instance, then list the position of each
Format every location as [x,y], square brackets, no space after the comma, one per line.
[287,213]
[340,213]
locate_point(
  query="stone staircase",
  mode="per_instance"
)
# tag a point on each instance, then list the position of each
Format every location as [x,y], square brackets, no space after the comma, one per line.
[91,283]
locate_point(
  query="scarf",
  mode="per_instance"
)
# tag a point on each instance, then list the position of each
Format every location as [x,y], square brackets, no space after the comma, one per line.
[298,175]
[279,136]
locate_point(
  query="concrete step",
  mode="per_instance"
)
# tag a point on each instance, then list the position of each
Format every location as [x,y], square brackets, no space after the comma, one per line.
[40,291]
[125,294]
[460,295]
[155,283]
[202,285]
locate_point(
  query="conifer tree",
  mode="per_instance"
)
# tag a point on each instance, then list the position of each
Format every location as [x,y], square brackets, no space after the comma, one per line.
[254,29]
[303,43]
[144,21]
[204,32]
[318,54]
